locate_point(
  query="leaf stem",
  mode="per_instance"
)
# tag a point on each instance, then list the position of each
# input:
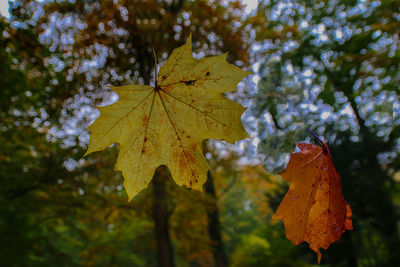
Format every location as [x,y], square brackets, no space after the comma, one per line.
[322,142]
[155,67]
[316,136]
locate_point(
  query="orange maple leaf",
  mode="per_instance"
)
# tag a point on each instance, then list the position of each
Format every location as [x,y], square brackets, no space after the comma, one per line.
[314,209]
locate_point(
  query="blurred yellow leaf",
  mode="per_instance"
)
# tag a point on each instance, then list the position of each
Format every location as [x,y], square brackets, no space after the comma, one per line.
[165,124]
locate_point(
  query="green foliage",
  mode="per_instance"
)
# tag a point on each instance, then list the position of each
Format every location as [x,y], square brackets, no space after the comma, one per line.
[253,252]
[266,249]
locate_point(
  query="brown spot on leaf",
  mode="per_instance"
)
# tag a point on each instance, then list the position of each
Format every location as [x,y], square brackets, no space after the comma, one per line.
[190,158]
[193,146]
[145,120]
[183,163]
[175,154]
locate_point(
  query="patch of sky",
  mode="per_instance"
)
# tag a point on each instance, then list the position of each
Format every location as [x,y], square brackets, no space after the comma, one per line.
[376,34]
[250,5]
[338,34]
[124,12]
[347,111]
[4,9]
[290,45]
[303,25]
[308,106]
[307,72]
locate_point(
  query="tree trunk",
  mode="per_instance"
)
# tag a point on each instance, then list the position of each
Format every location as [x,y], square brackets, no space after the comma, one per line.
[214,226]
[165,256]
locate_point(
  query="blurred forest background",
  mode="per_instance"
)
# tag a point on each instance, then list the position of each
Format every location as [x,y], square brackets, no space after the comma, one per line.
[332,66]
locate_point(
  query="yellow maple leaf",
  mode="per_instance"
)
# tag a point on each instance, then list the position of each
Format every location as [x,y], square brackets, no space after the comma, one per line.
[166,124]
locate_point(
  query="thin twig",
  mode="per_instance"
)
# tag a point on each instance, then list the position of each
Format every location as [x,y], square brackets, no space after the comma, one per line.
[313,134]
[155,67]
[325,145]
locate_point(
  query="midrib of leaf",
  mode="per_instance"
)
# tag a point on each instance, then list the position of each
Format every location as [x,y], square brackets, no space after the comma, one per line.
[176,132]
[178,59]
[329,198]
[312,197]
[145,131]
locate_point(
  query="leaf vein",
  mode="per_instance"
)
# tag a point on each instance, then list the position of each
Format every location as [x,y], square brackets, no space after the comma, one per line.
[178,137]
[199,110]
